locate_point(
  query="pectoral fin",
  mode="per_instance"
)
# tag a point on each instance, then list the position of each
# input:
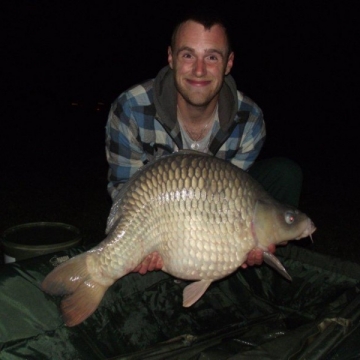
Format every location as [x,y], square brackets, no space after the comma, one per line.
[194,292]
[274,262]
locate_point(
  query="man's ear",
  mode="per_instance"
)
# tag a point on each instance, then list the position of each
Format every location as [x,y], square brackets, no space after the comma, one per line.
[170,57]
[230,63]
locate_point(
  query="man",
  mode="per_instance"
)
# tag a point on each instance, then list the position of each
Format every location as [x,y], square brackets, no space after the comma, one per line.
[194,103]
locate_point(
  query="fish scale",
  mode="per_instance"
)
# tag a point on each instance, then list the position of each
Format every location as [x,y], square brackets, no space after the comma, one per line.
[201,214]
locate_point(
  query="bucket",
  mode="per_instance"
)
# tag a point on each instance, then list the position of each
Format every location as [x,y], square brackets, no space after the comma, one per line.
[33,239]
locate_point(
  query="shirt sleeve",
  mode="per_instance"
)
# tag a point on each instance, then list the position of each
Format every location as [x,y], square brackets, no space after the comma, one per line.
[124,151]
[252,140]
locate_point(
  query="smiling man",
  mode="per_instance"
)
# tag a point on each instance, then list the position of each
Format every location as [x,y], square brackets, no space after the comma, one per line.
[193,103]
[200,58]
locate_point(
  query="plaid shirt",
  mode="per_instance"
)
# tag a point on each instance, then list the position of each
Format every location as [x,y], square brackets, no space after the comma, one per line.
[142,125]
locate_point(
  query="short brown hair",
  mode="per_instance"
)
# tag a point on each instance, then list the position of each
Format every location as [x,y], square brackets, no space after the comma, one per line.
[208,20]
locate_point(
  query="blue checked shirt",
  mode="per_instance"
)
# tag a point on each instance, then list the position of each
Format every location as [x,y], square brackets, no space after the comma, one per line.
[142,125]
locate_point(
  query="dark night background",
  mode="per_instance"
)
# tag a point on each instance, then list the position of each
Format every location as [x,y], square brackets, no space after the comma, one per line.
[63,63]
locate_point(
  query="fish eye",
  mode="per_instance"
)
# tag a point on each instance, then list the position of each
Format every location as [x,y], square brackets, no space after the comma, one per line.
[289,217]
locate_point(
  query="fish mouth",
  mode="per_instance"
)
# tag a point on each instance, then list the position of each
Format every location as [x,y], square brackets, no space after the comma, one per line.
[309,229]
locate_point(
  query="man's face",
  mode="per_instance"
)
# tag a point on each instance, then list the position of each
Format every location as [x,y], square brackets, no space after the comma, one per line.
[200,61]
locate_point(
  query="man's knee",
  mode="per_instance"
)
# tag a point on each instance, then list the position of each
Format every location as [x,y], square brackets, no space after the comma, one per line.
[281,177]
[288,169]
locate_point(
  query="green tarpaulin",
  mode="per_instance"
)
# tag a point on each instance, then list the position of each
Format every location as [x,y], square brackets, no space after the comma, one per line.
[252,314]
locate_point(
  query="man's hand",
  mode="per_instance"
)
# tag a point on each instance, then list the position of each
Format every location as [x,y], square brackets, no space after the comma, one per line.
[152,262]
[255,256]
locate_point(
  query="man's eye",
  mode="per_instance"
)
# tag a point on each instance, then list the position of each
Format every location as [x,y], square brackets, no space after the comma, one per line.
[187,56]
[213,58]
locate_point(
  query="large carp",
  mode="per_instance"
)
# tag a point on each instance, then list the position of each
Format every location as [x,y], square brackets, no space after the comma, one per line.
[201,214]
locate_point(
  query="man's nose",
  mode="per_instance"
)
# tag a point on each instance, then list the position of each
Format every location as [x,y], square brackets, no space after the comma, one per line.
[199,68]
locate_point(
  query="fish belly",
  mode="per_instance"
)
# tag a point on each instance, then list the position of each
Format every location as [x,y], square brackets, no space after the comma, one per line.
[201,249]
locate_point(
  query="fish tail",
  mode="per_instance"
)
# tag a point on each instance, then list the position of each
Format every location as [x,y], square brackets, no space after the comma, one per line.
[82,293]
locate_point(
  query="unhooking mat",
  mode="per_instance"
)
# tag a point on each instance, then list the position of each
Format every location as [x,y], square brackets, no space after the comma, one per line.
[252,314]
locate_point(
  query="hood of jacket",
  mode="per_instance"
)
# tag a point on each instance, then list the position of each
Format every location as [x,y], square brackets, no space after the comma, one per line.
[165,100]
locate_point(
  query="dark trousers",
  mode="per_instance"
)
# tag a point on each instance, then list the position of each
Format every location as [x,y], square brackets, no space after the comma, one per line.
[281,178]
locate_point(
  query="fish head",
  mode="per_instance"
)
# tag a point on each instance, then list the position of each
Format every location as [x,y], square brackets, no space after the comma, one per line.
[274,223]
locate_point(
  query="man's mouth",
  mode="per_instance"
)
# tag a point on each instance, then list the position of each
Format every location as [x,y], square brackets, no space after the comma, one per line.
[198,83]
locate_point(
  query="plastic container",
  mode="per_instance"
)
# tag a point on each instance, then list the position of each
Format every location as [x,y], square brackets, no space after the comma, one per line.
[33,239]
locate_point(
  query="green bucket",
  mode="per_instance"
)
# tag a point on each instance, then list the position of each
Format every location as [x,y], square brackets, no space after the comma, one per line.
[33,239]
